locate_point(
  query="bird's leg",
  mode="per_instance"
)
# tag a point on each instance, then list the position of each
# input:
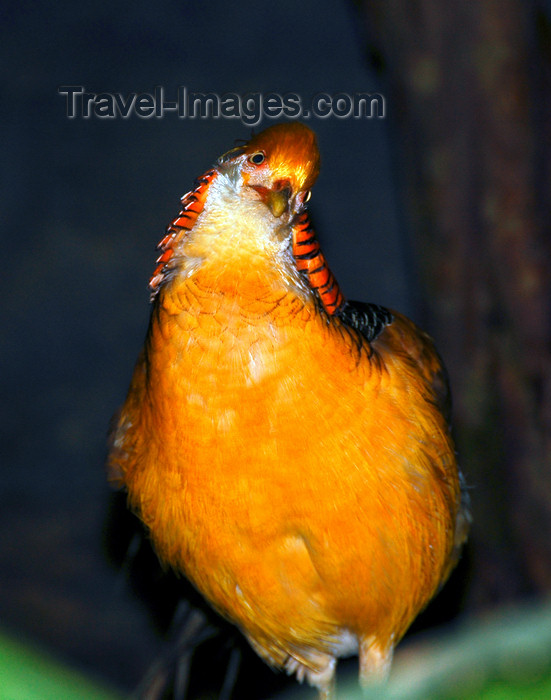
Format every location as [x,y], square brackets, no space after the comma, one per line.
[231,674]
[323,680]
[190,630]
[328,691]
[375,661]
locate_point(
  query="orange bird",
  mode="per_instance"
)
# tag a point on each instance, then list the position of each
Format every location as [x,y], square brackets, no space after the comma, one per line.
[288,451]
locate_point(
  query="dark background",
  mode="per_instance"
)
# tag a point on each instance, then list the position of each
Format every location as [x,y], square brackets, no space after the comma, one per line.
[83,204]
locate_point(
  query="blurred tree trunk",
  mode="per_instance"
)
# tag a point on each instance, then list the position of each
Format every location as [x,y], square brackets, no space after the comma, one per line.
[468,92]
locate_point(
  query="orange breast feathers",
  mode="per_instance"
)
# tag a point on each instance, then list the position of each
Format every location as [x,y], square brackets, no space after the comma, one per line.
[288,451]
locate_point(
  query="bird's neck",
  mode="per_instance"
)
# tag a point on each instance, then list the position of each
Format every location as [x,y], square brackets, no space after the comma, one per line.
[236,249]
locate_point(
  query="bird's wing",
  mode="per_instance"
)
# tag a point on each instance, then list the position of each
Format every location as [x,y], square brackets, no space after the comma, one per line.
[372,321]
[383,328]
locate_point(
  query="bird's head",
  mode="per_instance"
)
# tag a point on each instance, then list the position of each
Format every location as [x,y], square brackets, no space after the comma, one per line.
[278,166]
[243,209]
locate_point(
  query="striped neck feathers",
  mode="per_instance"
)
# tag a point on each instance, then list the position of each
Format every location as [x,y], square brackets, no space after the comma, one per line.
[220,225]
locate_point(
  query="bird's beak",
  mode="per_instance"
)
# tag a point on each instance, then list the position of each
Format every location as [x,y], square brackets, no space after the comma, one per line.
[278,201]
[277,198]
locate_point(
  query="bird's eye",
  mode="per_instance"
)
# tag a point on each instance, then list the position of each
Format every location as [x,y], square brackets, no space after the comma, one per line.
[257,158]
[307,196]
